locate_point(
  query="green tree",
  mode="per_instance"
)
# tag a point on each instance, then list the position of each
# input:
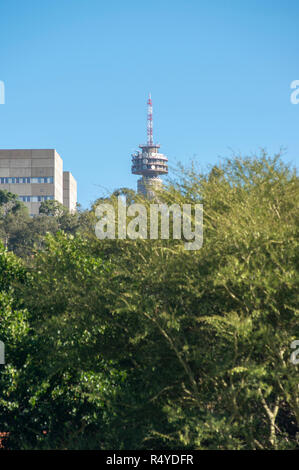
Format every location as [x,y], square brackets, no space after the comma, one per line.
[9,202]
[13,217]
[152,346]
[13,333]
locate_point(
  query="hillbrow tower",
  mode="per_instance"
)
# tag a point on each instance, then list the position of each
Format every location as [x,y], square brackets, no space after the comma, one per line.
[149,162]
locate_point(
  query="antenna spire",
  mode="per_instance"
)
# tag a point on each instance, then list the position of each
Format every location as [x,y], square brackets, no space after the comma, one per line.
[150,121]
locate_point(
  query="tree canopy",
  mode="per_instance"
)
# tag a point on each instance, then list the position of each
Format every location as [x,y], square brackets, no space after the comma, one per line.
[141,344]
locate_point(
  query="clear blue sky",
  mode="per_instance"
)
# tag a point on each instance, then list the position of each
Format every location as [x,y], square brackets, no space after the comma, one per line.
[77,74]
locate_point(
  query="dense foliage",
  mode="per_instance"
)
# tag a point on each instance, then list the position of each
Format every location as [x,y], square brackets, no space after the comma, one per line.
[141,344]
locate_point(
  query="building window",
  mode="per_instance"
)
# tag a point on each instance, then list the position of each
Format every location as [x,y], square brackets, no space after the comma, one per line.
[27,180]
[36,198]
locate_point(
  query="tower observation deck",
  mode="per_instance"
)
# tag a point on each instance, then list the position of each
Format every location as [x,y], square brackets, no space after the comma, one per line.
[149,162]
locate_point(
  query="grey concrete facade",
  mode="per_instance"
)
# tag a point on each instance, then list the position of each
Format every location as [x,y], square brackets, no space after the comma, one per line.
[36,176]
[69,191]
[149,186]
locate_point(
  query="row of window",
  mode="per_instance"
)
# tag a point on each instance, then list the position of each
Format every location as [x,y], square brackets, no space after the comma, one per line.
[27,180]
[35,198]
[150,167]
[158,161]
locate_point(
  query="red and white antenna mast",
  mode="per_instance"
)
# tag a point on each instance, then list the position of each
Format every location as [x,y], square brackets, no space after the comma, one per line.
[150,121]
